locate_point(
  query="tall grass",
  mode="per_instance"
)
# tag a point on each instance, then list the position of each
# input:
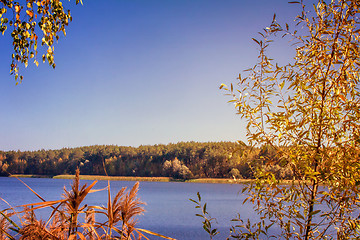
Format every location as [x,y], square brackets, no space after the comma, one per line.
[71,218]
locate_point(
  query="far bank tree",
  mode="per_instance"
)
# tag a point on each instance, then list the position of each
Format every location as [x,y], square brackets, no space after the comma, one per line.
[31,22]
[309,112]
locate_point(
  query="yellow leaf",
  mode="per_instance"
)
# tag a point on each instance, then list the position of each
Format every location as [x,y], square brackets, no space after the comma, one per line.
[17,8]
[223,86]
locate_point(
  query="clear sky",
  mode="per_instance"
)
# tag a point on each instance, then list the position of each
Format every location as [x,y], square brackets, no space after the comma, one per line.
[136,72]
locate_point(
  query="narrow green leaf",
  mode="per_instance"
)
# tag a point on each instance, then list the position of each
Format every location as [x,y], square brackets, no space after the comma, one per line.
[214,232]
[206,228]
[10,221]
[7,234]
[255,40]
[314,212]
[153,233]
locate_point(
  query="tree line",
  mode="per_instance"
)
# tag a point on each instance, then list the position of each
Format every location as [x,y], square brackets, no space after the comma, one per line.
[182,160]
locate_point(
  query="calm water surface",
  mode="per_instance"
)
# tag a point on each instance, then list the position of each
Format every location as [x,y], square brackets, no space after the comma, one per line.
[168,209]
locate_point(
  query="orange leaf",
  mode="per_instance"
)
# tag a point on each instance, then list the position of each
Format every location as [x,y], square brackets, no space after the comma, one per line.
[342,97]
[30,13]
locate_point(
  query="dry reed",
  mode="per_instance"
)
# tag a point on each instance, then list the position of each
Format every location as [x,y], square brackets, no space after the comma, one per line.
[65,222]
[4,226]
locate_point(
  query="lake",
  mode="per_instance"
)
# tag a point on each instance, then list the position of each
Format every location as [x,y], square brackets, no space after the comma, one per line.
[168,210]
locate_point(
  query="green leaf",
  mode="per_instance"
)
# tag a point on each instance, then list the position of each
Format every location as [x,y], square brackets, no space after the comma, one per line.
[10,221]
[298,215]
[214,232]
[314,212]
[255,40]
[153,233]
[7,234]
[206,228]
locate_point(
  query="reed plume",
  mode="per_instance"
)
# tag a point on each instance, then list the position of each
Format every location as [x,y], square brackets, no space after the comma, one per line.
[59,226]
[33,229]
[73,200]
[63,222]
[124,207]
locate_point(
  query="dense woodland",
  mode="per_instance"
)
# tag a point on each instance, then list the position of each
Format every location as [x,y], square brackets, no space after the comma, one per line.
[183,160]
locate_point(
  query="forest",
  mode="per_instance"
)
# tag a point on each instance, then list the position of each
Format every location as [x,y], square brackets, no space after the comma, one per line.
[183,160]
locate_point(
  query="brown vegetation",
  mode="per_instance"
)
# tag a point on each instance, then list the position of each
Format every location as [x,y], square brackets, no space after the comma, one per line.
[71,218]
[183,161]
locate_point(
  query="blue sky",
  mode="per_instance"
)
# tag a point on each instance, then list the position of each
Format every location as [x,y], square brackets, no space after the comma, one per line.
[137,72]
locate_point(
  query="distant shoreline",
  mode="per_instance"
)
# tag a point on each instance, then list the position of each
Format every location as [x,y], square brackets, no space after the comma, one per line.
[140,179]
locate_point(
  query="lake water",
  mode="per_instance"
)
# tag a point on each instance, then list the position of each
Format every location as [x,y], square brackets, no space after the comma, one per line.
[168,210]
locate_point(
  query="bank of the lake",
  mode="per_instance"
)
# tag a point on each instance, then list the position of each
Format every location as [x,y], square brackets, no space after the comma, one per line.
[150,179]
[139,179]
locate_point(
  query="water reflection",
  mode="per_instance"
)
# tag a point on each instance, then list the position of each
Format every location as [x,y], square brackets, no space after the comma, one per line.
[168,209]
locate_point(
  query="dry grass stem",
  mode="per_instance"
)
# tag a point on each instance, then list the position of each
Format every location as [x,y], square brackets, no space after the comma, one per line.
[64,222]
